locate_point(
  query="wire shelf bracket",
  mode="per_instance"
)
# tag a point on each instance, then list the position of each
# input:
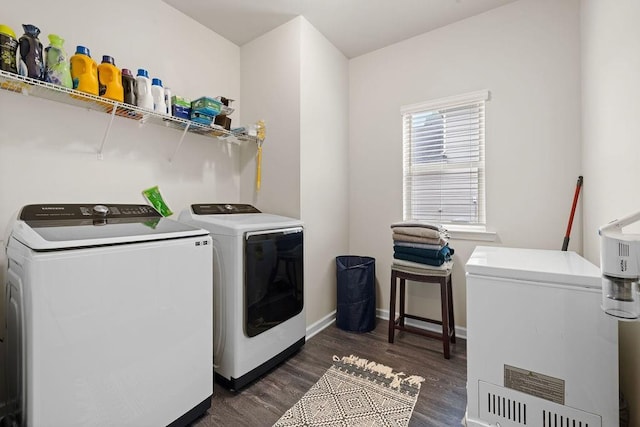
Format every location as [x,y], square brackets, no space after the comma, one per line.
[39,89]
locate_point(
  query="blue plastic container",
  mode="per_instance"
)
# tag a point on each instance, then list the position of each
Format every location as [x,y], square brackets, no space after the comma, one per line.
[206,106]
[180,111]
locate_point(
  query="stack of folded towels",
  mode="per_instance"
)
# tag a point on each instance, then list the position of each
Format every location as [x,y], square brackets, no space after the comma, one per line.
[421,242]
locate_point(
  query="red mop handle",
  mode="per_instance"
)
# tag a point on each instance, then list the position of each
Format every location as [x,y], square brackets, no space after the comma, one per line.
[565,244]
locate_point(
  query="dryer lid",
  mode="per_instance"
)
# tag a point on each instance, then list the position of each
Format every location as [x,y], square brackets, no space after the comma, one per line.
[242,219]
[66,226]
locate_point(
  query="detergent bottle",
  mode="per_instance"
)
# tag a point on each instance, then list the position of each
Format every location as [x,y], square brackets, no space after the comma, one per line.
[57,67]
[144,98]
[84,71]
[110,78]
[8,49]
[129,86]
[167,99]
[159,106]
[31,61]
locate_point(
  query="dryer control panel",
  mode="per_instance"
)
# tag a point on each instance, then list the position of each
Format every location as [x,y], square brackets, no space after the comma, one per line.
[222,208]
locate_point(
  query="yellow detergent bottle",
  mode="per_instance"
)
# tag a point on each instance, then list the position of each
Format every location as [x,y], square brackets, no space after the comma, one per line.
[110,78]
[84,71]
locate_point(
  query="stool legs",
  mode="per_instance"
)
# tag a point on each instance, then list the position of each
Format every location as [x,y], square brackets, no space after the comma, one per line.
[452,324]
[444,297]
[402,301]
[448,334]
[392,307]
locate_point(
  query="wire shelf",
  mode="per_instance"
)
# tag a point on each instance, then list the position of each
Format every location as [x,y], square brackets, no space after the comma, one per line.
[39,89]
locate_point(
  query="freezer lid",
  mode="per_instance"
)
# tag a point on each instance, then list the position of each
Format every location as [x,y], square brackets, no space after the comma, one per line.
[65,226]
[536,265]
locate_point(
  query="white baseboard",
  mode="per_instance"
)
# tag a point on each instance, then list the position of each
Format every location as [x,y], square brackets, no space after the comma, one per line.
[327,320]
[460,331]
[318,326]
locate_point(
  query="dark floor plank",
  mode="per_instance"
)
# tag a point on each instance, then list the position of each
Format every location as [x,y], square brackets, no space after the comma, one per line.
[441,402]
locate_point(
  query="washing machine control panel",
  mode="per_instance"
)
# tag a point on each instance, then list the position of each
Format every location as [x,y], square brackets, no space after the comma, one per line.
[222,208]
[101,210]
[81,214]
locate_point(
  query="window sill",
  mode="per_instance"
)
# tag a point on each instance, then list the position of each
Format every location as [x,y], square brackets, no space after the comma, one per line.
[471,233]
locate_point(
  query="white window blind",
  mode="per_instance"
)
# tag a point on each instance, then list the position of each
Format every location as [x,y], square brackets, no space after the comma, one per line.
[443,161]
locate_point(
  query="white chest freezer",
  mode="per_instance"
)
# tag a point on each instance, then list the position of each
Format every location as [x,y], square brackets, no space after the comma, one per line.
[540,351]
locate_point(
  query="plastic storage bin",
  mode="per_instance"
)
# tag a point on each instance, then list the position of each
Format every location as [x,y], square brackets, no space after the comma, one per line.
[356,279]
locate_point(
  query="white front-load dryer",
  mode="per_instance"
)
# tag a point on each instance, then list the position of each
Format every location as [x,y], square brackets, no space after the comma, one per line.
[109,317]
[259,316]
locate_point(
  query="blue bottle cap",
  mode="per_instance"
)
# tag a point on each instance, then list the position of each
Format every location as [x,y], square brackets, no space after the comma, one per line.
[81,50]
[142,72]
[156,82]
[108,59]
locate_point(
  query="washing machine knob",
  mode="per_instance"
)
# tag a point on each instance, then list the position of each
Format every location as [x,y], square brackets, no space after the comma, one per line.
[101,210]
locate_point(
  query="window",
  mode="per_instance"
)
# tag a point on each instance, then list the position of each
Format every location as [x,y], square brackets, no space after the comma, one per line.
[443,160]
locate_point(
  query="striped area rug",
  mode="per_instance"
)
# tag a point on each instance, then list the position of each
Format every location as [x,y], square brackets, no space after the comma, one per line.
[356,392]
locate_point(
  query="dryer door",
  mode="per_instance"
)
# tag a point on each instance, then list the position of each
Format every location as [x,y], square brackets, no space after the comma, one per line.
[273,278]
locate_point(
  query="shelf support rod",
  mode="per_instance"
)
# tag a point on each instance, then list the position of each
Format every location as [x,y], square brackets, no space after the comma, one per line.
[106,132]
[184,132]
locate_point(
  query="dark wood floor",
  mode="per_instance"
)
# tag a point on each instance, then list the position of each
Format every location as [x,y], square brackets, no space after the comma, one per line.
[441,401]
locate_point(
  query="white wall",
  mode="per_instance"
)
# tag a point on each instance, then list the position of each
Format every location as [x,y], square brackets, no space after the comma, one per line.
[527,54]
[271,92]
[611,151]
[324,115]
[298,81]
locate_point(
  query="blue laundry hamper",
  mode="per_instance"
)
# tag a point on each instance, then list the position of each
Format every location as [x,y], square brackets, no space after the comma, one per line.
[356,292]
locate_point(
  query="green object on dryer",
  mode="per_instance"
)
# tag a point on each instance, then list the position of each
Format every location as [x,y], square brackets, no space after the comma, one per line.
[154,197]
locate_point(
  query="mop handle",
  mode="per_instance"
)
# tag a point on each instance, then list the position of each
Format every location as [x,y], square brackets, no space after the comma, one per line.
[565,244]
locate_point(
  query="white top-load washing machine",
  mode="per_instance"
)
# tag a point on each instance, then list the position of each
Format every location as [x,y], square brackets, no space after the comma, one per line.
[109,317]
[259,317]
[540,351]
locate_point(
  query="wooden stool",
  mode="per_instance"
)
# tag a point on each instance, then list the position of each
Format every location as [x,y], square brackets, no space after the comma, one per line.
[443,277]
